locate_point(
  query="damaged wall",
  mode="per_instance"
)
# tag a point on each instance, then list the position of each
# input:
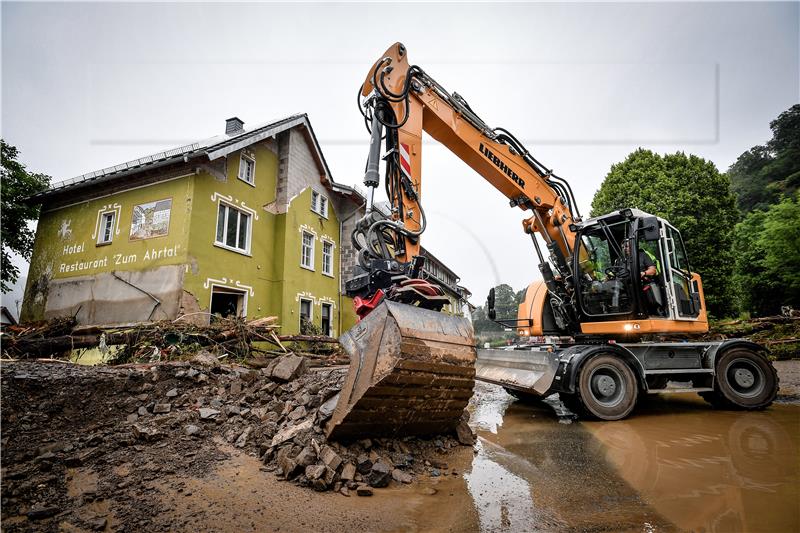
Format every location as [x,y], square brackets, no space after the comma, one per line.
[118,297]
[150,229]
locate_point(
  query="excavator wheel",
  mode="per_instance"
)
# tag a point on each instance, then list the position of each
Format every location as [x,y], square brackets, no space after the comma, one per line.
[606,390]
[745,380]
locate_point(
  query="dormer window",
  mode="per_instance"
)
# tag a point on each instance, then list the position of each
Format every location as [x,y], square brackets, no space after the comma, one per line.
[319,204]
[247,169]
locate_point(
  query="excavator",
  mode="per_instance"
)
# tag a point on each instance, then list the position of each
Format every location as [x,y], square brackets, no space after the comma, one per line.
[615,296]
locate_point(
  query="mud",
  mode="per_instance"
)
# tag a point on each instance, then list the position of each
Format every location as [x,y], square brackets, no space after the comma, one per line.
[675,465]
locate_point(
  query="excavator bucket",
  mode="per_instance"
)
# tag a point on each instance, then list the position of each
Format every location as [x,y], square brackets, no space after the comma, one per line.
[411,373]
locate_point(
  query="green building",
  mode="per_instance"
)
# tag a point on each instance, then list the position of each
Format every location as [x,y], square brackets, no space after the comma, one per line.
[247,223]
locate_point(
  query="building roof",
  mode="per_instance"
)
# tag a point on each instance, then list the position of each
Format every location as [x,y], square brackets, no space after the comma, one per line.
[205,150]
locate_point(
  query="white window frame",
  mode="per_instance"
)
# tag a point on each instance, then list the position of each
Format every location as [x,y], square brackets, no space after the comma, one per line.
[300,312]
[243,160]
[319,203]
[322,306]
[302,247]
[102,229]
[248,237]
[329,271]
[229,290]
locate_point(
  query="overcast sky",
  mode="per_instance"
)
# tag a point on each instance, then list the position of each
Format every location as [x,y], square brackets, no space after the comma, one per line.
[85,86]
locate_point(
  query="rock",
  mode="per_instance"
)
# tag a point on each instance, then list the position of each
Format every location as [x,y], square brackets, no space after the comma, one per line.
[306,457]
[191,373]
[330,458]
[348,472]
[142,411]
[233,410]
[146,433]
[132,418]
[429,491]
[380,475]
[363,464]
[326,409]
[329,476]
[216,403]
[365,443]
[298,413]
[161,408]
[46,456]
[291,432]
[242,440]
[207,413]
[236,388]
[435,472]
[344,491]
[38,513]
[288,467]
[364,490]
[192,430]
[205,358]
[401,477]
[465,434]
[319,485]
[98,524]
[315,471]
[289,367]
[172,393]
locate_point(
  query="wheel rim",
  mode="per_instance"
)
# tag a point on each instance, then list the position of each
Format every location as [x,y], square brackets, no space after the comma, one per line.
[746,378]
[607,386]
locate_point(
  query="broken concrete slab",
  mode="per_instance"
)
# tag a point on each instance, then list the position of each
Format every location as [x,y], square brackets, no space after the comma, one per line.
[291,432]
[289,367]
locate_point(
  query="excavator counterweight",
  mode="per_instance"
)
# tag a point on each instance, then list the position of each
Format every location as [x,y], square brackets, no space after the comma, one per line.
[411,372]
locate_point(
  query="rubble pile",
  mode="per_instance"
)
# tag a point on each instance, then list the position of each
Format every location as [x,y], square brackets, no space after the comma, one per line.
[252,342]
[132,424]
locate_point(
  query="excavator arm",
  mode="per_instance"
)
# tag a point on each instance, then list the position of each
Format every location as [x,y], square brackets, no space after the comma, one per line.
[399,101]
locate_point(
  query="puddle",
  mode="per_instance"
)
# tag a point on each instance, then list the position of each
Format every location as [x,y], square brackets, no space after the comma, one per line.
[676,465]
[710,470]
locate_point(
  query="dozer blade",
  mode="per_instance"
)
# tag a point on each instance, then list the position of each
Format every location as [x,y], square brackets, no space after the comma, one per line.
[411,373]
[529,371]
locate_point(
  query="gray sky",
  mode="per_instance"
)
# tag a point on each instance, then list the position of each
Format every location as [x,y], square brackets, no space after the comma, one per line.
[86,86]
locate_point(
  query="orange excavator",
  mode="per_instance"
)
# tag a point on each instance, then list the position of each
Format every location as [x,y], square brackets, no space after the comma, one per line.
[610,285]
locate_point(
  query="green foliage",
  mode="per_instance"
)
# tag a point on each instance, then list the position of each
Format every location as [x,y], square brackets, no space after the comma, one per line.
[691,193]
[506,302]
[767,250]
[763,174]
[17,184]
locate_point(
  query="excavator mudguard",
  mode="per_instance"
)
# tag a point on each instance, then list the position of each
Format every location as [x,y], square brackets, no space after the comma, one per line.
[411,373]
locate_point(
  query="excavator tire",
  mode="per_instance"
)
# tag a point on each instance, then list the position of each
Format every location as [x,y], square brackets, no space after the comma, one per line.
[606,389]
[744,380]
[412,372]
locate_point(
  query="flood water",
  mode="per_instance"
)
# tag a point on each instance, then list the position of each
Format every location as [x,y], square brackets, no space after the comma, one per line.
[675,465]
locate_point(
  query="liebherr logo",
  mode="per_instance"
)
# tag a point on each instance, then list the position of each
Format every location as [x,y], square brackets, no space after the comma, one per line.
[502,166]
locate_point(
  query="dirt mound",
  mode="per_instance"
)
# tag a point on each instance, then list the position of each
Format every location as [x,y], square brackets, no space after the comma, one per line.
[81,445]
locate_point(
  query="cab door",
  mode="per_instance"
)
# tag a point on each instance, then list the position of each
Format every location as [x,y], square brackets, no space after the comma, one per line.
[683,293]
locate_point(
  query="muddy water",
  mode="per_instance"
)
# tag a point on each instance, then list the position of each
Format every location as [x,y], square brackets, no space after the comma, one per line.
[676,465]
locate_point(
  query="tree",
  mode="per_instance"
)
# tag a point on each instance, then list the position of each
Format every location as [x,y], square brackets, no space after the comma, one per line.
[506,302]
[692,194]
[763,174]
[16,236]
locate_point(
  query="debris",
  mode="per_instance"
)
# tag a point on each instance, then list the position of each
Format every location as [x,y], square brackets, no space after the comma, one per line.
[364,490]
[207,413]
[401,477]
[289,367]
[380,475]
[161,408]
[192,430]
[291,431]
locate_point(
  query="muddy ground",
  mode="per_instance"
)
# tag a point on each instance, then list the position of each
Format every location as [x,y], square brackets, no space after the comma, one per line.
[74,461]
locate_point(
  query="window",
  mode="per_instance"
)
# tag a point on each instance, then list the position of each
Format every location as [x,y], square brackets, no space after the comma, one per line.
[307,251]
[319,204]
[106,233]
[327,258]
[233,228]
[305,314]
[227,303]
[604,278]
[326,319]
[247,169]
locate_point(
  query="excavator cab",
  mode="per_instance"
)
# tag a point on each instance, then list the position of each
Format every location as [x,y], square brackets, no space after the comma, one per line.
[631,265]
